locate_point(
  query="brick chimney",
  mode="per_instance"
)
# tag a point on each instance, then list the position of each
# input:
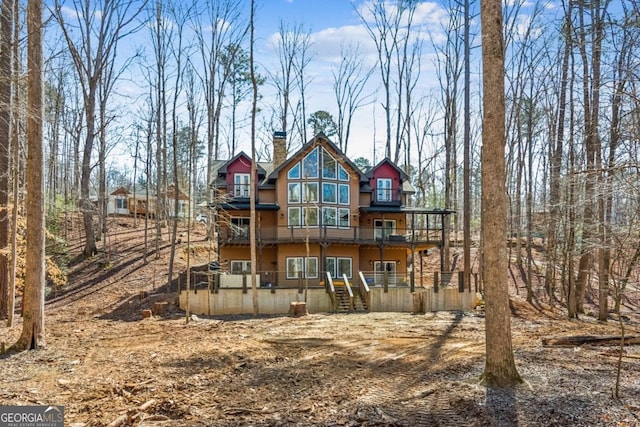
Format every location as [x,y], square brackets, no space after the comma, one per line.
[279,148]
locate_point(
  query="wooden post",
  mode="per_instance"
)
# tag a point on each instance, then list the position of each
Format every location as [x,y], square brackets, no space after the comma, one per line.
[244,283]
[300,288]
[386,280]
[436,281]
[274,280]
[460,281]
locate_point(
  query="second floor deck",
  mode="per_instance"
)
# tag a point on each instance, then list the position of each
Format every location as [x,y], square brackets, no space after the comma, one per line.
[368,235]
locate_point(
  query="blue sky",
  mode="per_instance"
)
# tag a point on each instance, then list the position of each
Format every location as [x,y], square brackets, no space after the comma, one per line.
[330,23]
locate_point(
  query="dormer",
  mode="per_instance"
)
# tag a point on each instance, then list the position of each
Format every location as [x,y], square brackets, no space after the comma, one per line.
[236,173]
[386,181]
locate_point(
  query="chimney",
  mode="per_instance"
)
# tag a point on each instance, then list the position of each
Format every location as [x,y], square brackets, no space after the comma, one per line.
[279,148]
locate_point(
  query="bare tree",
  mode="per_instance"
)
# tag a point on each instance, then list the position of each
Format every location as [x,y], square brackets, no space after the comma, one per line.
[15,166]
[555,155]
[101,27]
[500,369]
[449,69]
[225,27]
[349,81]
[6,45]
[180,14]
[292,44]
[591,87]
[390,28]
[253,175]
[33,332]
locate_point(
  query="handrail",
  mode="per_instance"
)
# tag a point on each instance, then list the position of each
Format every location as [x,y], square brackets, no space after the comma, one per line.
[364,282]
[365,291]
[348,286]
[332,292]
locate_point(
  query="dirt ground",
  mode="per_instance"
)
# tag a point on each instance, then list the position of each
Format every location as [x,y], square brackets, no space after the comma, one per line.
[109,367]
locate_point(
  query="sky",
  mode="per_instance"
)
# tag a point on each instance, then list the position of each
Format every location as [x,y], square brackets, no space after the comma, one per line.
[330,24]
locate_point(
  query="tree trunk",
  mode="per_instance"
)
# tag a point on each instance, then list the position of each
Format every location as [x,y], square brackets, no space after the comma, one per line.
[6,13]
[500,369]
[32,336]
[253,186]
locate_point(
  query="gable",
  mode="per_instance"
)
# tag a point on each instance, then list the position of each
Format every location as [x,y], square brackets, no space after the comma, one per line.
[314,152]
[239,165]
[120,191]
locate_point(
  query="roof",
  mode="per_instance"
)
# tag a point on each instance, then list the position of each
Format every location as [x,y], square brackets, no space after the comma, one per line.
[316,141]
[120,191]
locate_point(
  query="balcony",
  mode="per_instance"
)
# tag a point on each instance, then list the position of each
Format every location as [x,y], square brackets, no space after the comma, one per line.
[386,197]
[355,235]
[239,191]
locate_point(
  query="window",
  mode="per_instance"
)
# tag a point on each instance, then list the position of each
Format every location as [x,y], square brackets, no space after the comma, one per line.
[329,217]
[296,265]
[310,192]
[240,267]
[310,216]
[294,268]
[330,265]
[344,267]
[240,227]
[294,172]
[383,228]
[310,164]
[241,185]
[338,266]
[343,194]
[328,192]
[328,166]
[294,192]
[384,189]
[294,217]
[343,175]
[312,267]
[343,218]
[121,203]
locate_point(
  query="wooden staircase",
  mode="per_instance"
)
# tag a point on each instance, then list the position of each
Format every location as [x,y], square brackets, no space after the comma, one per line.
[342,300]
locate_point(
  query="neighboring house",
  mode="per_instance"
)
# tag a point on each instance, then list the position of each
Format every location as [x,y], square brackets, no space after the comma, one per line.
[123,202]
[183,203]
[317,212]
[118,203]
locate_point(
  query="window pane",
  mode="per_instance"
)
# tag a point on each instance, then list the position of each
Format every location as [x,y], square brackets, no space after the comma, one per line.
[294,265]
[328,165]
[312,268]
[240,267]
[241,184]
[310,216]
[343,217]
[384,189]
[329,217]
[342,174]
[294,192]
[294,172]
[330,265]
[328,192]
[343,194]
[310,165]
[310,192]
[344,267]
[294,217]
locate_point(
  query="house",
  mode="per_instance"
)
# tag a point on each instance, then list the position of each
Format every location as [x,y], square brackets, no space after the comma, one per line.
[317,213]
[182,200]
[118,203]
[124,202]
